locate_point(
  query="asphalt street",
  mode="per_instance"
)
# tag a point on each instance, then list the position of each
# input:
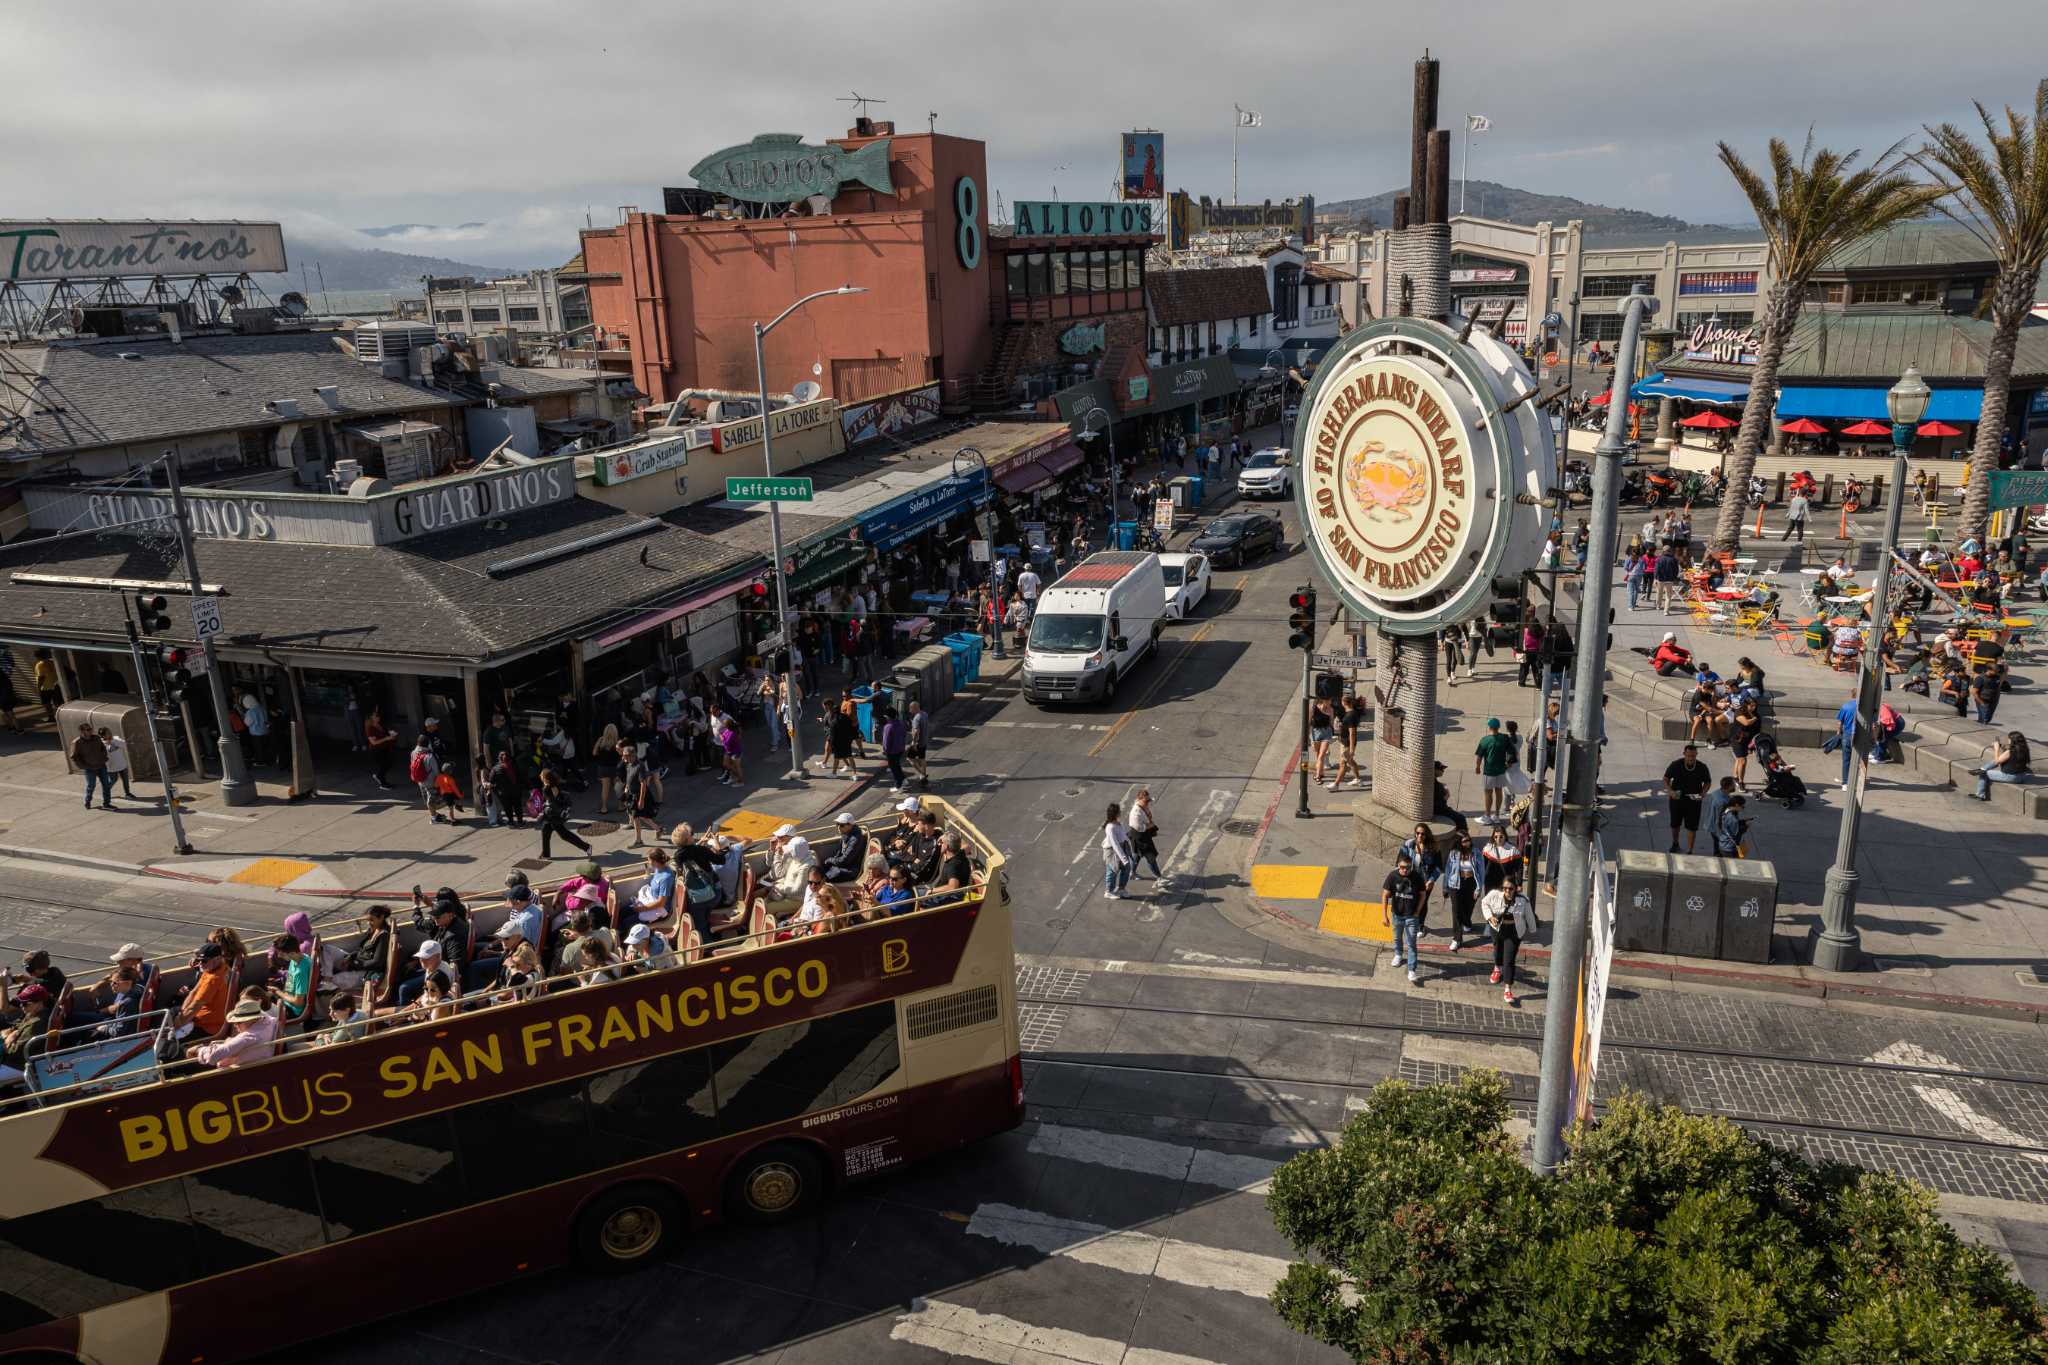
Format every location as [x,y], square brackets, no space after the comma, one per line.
[1174,1057]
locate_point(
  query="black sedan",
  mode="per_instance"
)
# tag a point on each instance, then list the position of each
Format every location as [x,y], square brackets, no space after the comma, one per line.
[1239,538]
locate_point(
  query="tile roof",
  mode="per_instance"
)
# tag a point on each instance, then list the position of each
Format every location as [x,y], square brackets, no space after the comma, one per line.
[113,392]
[431,599]
[1213,295]
[531,382]
[1317,270]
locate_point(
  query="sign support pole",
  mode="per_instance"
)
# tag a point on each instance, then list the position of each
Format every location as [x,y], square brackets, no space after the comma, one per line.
[1301,810]
[1582,770]
[179,843]
[783,620]
[235,787]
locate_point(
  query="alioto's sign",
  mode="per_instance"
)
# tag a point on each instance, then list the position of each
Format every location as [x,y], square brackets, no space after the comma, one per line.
[1057,218]
[1416,489]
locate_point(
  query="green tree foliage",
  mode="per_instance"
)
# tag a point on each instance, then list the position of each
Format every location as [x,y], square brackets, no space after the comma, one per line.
[1666,1237]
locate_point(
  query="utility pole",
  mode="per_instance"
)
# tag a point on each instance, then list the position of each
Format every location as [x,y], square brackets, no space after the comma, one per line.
[1582,762]
[179,843]
[235,787]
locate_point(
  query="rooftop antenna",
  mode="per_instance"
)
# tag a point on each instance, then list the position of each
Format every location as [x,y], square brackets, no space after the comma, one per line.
[931,118]
[860,105]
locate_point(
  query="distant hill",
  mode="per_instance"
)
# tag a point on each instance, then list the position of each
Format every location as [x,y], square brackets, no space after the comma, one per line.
[1505,203]
[396,229]
[371,268]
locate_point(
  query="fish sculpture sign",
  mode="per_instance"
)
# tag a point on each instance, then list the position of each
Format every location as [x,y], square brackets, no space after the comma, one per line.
[781,168]
[1418,486]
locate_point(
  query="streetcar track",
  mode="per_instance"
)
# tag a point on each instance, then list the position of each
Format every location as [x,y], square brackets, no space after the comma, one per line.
[1536,1039]
[1756,1120]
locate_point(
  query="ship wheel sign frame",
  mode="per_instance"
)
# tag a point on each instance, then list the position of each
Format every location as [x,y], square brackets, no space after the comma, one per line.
[1423,473]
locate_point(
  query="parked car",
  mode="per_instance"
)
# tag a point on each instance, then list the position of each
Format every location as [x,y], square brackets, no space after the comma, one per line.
[1187,583]
[1238,538]
[1266,475]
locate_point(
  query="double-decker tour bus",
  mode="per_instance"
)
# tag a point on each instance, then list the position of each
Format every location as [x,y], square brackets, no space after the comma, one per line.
[589,1124]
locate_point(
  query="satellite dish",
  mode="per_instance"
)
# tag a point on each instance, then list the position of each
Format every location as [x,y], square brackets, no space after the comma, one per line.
[292,304]
[807,391]
[231,293]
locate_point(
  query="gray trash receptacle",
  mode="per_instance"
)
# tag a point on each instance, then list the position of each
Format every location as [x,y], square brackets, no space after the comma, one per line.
[1692,926]
[1749,909]
[1642,899]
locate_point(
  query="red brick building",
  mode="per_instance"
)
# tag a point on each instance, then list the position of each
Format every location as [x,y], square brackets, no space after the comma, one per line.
[685,290]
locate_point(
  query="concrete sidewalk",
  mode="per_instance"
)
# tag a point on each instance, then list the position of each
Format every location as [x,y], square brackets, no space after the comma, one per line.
[354,840]
[1951,922]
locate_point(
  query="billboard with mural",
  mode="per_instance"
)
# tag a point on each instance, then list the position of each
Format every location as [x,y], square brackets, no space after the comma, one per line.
[1144,165]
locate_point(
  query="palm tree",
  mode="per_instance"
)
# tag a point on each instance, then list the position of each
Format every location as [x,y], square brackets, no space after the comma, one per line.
[1810,208]
[2001,190]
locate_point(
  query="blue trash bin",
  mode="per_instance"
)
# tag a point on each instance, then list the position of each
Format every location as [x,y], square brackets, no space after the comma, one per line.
[864,711]
[961,665]
[1127,535]
[1201,493]
[967,643]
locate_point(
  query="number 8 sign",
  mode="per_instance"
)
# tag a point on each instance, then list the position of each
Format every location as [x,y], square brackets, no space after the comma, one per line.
[967,203]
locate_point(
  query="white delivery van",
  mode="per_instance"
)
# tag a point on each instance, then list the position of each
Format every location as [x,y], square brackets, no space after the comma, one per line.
[1093,626]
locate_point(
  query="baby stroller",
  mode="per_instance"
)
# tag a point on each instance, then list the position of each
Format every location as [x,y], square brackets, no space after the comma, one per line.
[1781,781]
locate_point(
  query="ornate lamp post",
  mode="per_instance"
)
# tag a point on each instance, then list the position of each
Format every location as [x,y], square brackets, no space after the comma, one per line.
[1840,945]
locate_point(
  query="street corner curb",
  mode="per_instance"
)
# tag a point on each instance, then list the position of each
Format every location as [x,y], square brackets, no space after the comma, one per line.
[81,860]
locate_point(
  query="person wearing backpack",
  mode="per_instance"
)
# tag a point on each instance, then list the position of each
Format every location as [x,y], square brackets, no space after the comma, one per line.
[425,771]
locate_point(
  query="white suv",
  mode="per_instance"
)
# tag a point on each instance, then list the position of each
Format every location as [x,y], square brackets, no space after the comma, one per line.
[1266,475]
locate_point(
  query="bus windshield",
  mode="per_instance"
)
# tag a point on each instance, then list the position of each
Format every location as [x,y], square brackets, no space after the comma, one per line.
[1066,634]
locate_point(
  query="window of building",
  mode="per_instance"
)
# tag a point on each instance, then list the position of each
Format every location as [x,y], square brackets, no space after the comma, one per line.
[1685,322]
[1600,327]
[1616,286]
[1253,330]
[449,315]
[1013,275]
[518,313]
[1060,275]
[1286,294]
[1098,271]
[1212,336]
[1827,293]
[1039,272]
[484,314]
[1922,291]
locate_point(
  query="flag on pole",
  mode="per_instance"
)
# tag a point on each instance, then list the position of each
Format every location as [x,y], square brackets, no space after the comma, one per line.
[1247,118]
[1477,123]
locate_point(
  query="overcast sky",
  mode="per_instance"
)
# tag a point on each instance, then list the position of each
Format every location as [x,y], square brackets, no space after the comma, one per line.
[520,116]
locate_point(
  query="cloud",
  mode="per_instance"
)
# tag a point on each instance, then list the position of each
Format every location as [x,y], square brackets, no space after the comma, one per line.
[1574,153]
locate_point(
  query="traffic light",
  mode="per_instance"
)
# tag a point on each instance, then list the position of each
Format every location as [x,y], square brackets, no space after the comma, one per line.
[152,612]
[1302,619]
[177,672]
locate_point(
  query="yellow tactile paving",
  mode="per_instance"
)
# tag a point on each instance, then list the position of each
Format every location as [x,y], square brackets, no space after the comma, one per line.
[1288,881]
[750,824]
[1355,919]
[272,872]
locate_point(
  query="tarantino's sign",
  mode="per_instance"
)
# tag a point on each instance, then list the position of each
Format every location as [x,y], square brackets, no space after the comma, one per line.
[52,249]
[1389,483]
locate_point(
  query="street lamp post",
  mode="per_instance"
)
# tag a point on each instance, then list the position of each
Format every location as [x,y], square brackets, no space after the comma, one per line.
[783,622]
[1115,501]
[1840,945]
[1279,371]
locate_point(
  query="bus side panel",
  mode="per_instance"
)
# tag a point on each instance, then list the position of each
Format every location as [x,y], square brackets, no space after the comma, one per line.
[399,1269]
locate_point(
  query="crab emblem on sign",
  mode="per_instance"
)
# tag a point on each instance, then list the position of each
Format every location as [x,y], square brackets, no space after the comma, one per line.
[1385,482]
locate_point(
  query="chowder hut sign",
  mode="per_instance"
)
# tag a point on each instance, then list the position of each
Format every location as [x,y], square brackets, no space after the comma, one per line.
[1417,487]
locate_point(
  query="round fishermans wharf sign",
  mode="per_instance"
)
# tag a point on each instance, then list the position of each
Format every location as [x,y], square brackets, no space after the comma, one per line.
[1416,488]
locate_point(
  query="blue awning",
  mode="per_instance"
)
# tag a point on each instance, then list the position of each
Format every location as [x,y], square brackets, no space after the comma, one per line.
[1698,390]
[1946,405]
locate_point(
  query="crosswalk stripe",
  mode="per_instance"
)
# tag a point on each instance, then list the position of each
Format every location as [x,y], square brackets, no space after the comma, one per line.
[1000,1340]
[1134,1253]
[1150,1156]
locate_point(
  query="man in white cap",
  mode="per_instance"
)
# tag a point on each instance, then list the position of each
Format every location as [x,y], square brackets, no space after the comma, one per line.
[844,865]
[483,968]
[789,865]
[428,956]
[252,1038]
[644,944]
[116,999]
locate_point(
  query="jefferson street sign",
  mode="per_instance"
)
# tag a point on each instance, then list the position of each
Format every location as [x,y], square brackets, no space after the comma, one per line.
[1341,663]
[767,490]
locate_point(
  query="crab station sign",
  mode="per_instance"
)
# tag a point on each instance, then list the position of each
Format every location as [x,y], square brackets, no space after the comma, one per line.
[1418,487]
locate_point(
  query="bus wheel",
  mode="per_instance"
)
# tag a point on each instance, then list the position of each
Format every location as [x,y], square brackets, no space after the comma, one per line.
[625,1228]
[773,1185]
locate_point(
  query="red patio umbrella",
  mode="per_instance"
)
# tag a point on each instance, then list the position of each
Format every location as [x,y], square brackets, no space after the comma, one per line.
[1711,421]
[1602,398]
[1939,429]
[1867,428]
[1803,426]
